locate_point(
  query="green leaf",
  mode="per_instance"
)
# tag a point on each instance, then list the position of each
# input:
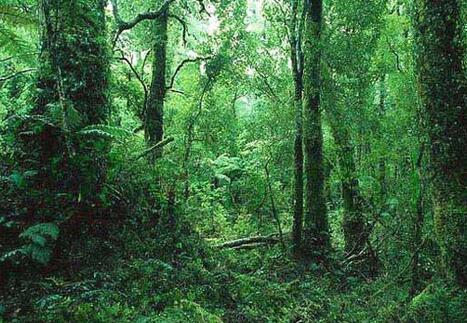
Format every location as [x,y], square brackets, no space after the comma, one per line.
[43,229]
[39,254]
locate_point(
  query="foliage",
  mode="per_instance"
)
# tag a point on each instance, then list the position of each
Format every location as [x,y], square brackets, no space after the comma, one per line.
[93,228]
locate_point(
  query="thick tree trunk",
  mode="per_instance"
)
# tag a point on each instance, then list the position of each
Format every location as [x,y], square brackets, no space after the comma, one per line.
[69,65]
[154,121]
[443,92]
[316,229]
[72,84]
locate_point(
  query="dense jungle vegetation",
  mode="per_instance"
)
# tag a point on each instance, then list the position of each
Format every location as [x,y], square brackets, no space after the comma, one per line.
[233,161]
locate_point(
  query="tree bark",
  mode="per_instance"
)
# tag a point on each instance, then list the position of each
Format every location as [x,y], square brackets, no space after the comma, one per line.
[418,223]
[316,229]
[154,121]
[443,92]
[72,94]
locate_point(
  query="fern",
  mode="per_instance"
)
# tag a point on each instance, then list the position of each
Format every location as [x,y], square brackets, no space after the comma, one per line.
[225,166]
[105,131]
[40,238]
[43,229]
[14,16]
[13,22]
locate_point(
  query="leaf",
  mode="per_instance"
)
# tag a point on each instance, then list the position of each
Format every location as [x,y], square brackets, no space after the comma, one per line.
[39,240]
[105,131]
[11,254]
[223,179]
[37,253]
[18,179]
[14,16]
[43,229]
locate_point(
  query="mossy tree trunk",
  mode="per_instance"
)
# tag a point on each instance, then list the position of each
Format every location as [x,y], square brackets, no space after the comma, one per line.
[443,92]
[355,232]
[154,119]
[316,230]
[297,71]
[72,94]
[382,159]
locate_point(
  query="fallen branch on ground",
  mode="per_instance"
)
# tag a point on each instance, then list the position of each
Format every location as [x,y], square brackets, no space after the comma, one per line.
[250,242]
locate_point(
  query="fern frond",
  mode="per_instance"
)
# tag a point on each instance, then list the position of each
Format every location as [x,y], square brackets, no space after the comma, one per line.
[43,229]
[12,43]
[13,21]
[15,17]
[40,237]
[105,131]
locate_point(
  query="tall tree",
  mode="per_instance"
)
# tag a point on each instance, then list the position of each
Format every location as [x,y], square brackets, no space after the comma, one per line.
[443,92]
[316,227]
[295,40]
[153,113]
[72,94]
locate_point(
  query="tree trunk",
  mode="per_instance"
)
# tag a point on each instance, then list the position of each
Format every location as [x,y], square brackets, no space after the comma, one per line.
[443,92]
[72,94]
[316,237]
[382,159]
[154,121]
[418,224]
[355,232]
[273,204]
[297,71]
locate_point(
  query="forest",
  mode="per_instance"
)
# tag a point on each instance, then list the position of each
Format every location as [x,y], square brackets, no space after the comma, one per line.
[233,161]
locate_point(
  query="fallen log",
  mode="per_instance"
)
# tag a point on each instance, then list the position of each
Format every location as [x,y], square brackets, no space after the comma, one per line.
[250,242]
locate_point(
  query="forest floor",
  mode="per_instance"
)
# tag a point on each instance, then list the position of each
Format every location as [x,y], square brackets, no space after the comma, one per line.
[200,284]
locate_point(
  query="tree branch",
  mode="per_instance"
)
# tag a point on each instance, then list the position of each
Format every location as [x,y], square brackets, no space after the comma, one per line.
[184,26]
[149,15]
[8,77]
[160,144]
[203,8]
[180,66]
[396,55]
[140,79]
